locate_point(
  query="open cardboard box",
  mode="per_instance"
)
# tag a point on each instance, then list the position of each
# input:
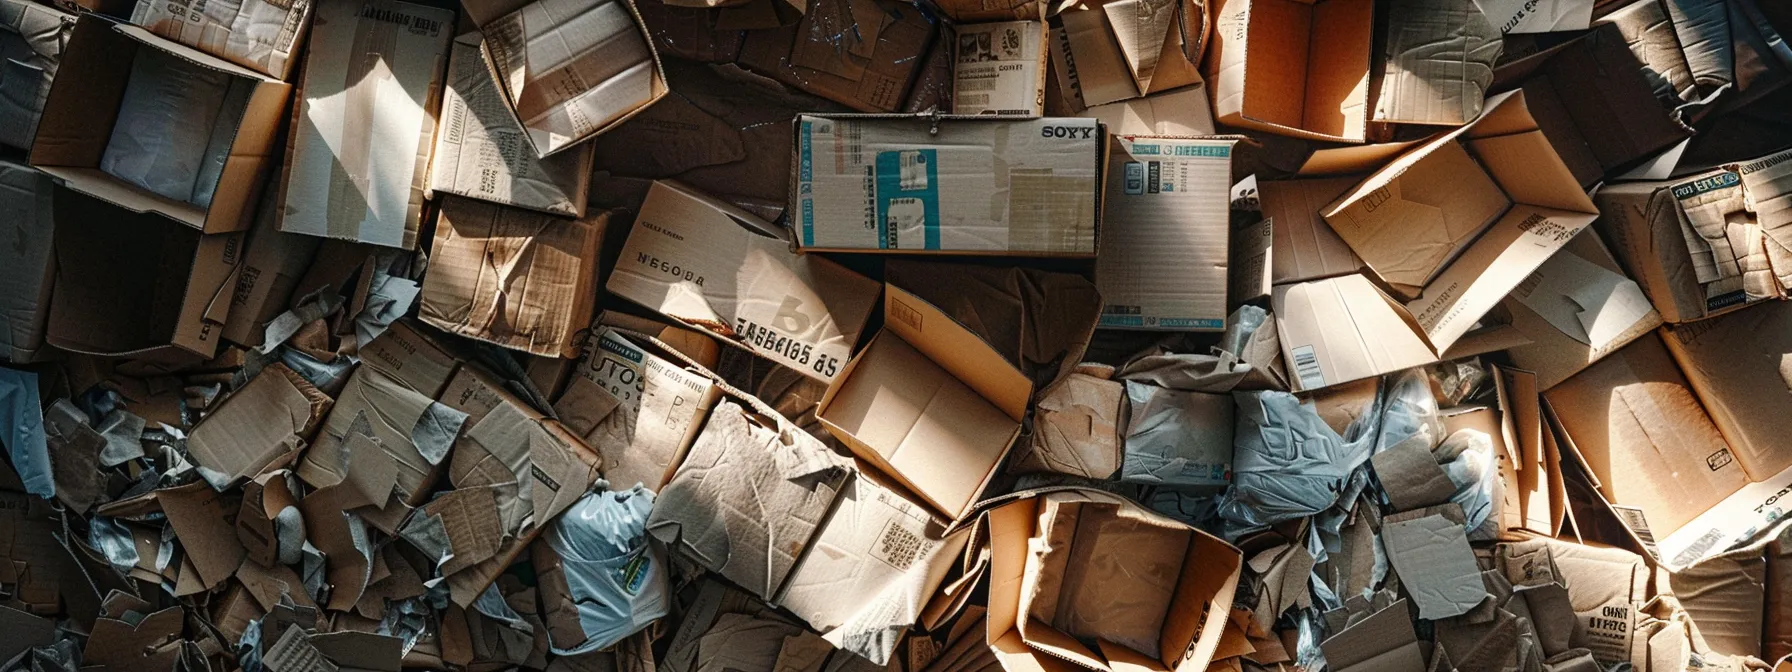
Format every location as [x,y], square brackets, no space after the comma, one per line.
[582,93]
[1113,50]
[1185,590]
[1308,73]
[1578,307]
[83,106]
[929,404]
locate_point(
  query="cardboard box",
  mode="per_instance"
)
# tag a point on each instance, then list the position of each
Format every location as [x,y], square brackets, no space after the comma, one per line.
[1418,222]
[1576,308]
[1439,61]
[262,35]
[482,152]
[1733,364]
[362,129]
[569,69]
[1182,112]
[515,278]
[137,284]
[1679,242]
[1000,68]
[1181,581]
[1342,329]
[27,267]
[1593,102]
[81,112]
[273,262]
[31,39]
[1382,641]
[1303,246]
[928,403]
[1292,84]
[638,405]
[863,54]
[1165,233]
[724,271]
[947,185]
[1652,39]
[1607,589]
[1123,49]
[265,422]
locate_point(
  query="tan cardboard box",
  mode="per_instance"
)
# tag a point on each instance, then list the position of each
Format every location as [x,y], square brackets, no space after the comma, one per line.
[639,406]
[1182,112]
[1293,84]
[80,113]
[1163,257]
[1342,329]
[1304,247]
[1119,49]
[929,404]
[1733,363]
[1439,61]
[1166,585]
[1000,68]
[31,37]
[966,185]
[27,266]
[569,69]
[1578,307]
[482,152]
[262,35]
[1456,232]
[515,278]
[724,271]
[361,135]
[863,54]
[273,262]
[1681,244]
[137,284]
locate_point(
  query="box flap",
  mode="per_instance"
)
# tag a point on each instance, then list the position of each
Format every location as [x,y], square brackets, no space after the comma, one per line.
[1342,329]
[958,350]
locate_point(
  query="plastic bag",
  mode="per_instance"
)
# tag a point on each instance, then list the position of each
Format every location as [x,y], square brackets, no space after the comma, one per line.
[614,577]
[1287,463]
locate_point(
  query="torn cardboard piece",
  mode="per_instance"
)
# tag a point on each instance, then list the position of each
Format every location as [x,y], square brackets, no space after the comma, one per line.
[270,419]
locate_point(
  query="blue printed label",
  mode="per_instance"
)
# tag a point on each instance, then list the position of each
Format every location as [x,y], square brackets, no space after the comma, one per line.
[908,198]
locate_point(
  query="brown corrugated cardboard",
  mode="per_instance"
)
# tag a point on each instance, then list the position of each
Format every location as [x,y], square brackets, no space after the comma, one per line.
[1382,642]
[1164,236]
[80,113]
[266,421]
[27,268]
[1293,84]
[1173,603]
[205,519]
[569,69]
[273,261]
[1000,68]
[137,284]
[946,185]
[257,529]
[1182,112]
[1440,56]
[262,35]
[1725,596]
[1646,27]
[1606,588]
[860,53]
[31,37]
[30,558]
[742,463]
[1733,363]
[481,151]
[1304,246]
[689,33]
[1078,426]
[1679,241]
[1432,201]
[928,403]
[1343,329]
[411,357]
[722,270]
[1777,611]
[638,408]
[512,277]
[359,152]
[1122,49]
[1576,308]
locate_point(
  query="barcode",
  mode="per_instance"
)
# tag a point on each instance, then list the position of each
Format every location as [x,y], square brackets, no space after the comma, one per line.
[973,99]
[976,85]
[1698,548]
[1634,519]
[1306,366]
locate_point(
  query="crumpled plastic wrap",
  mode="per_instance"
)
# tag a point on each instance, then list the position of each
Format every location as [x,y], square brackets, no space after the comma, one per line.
[614,576]
[1287,463]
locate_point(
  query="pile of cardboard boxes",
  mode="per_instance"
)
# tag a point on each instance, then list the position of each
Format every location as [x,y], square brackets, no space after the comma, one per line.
[895,335]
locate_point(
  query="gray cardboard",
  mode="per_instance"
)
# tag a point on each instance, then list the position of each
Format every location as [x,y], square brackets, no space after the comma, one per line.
[31,39]
[27,275]
[1436,565]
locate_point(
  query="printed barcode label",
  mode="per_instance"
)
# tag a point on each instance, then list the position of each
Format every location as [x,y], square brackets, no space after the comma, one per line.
[1634,519]
[1699,547]
[913,171]
[1306,367]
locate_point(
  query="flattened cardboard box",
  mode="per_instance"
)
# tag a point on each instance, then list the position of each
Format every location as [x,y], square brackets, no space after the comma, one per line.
[999,68]
[724,271]
[27,266]
[481,151]
[84,106]
[515,278]
[1163,258]
[1607,588]
[1440,57]
[863,54]
[137,284]
[1285,87]
[262,35]
[362,130]
[930,404]
[1025,187]
[1343,329]
[640,410]
[31,39]
[1124,49]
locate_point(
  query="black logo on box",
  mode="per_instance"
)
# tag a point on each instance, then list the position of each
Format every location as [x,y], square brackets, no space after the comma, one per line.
[1719,459]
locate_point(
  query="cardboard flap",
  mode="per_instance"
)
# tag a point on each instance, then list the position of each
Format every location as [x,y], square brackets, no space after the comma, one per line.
[1140,27]
[65,137]
[1528,168]
[957,350]
[1343,329]
[191,55]
[1352,159]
